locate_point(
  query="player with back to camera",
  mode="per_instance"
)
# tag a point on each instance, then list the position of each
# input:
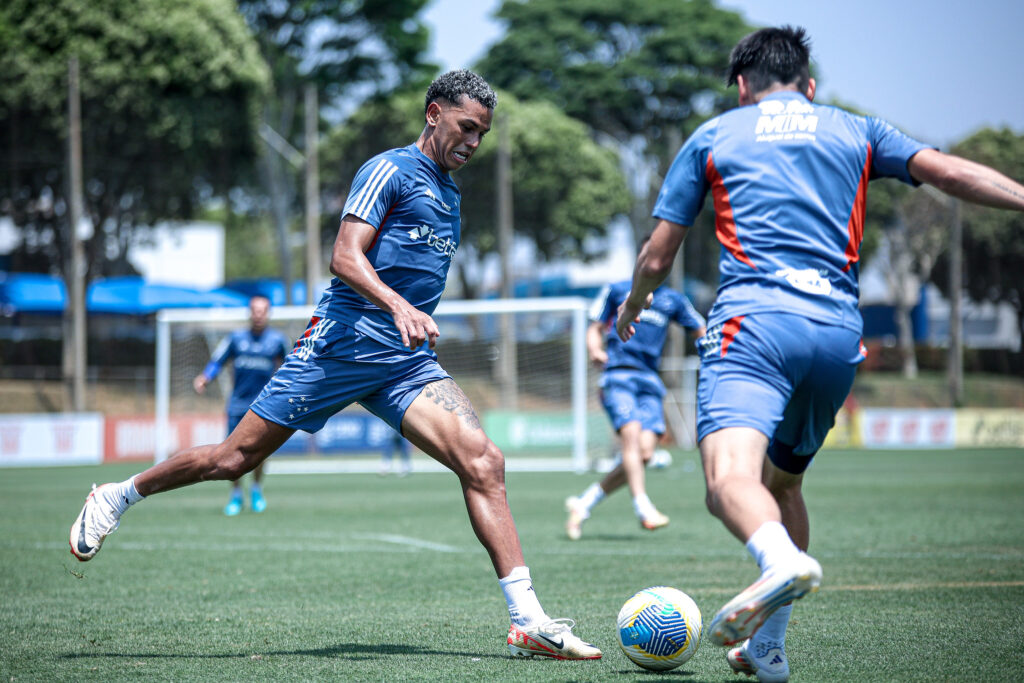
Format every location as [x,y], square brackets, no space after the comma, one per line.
[255,352]
[632,394]
[371,341]
[788,178]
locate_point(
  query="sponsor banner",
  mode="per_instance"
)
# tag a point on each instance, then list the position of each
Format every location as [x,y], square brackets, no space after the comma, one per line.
[354,432]
[991,427]
[907,428]
[59,439]
[132,438]
[513,431]
[846,431]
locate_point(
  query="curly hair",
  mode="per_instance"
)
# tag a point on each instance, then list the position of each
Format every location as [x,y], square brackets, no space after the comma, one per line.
[451,86]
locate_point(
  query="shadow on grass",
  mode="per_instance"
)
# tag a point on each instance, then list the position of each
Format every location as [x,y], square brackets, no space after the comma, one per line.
[354,651]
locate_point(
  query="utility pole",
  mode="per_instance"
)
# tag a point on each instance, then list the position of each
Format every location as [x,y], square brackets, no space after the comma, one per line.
[312,194]
[956,320]
[508,372]
[75,361]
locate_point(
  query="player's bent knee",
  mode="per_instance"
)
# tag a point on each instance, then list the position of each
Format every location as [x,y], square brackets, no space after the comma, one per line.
[484,470]
[232,463]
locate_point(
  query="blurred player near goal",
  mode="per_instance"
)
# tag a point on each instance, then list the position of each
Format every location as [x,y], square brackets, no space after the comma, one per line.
[255,352]
[789,180]
[632,394]
[371,341]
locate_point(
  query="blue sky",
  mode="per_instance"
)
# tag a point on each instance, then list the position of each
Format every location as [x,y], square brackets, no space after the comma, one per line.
[937,69]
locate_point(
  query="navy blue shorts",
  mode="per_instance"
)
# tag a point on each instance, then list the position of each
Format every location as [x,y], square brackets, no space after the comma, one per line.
[781,374]
[634,396]
[333,366]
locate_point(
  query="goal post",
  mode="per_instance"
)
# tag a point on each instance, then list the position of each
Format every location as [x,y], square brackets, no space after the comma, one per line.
[521,362]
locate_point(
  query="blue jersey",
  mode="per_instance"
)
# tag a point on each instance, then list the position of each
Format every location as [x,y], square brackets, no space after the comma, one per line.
[414,205]
[256,357]
[789,182]
[643,350]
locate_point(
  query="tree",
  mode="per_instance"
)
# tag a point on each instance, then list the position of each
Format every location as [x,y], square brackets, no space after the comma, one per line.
[566,188]
[644,72]
[169,95]
[992,249]
[349,49]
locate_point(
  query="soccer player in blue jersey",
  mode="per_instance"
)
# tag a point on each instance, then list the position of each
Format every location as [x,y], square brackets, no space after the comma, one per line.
[255,353]
[632,394]
[788,178]
[371,341]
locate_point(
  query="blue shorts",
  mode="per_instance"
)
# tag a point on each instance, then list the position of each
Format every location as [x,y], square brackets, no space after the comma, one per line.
[333,366]
[634,396]
[781,374]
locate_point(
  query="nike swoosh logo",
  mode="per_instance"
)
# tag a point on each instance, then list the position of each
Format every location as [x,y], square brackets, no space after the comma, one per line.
[82,547]
[560,643]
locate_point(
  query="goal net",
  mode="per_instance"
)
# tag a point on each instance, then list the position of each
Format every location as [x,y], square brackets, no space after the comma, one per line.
[521,362]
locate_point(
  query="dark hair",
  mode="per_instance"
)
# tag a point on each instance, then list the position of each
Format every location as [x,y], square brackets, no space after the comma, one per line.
[451,86]
[772,55]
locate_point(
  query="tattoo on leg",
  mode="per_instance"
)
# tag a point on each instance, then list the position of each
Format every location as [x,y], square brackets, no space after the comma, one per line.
[447,394]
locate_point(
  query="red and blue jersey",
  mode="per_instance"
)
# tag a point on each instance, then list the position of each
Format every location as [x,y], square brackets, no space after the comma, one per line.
[643,350]
[414,204]
[789,183]
[255,358]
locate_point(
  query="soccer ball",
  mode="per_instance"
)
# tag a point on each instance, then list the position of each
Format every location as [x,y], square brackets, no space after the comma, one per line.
[659,628]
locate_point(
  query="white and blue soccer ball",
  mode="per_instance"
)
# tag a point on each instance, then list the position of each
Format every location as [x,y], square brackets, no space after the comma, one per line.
[659,628]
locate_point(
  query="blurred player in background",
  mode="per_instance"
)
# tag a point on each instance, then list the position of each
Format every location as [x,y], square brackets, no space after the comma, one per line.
[632,394]
[789,180]
[395,443]
[256,353]
[371,341]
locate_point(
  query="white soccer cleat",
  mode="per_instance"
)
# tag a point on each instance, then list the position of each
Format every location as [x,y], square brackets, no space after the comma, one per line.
[767,661]
[577,515]
[553,639]
[97,520]
[653,520]
[745,613]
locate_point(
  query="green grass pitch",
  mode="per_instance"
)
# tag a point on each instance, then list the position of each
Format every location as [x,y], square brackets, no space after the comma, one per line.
[357,577]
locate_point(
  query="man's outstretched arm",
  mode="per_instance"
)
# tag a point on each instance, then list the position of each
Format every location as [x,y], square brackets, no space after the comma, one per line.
[653,264]
[967,180]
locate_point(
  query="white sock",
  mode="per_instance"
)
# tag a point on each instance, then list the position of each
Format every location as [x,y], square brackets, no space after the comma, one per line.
[771,545]
[124,495]
[642,506]
[591,497]
[256,487]
[523,606]
[773,630]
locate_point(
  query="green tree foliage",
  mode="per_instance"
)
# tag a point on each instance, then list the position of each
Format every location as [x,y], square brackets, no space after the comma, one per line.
[626,67]
[565,187]
[349,49]
[169,98]
[992,250]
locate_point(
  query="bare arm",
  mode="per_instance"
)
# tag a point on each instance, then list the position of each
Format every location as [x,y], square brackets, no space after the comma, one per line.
[350,265]
[653,265]
[967,180]
[595,344]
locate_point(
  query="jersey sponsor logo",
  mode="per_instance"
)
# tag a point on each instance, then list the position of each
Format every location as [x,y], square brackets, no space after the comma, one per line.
[649,315]
[250,362]
[417,233]
[430,193]
[445,245]
[807,280]
[793,120]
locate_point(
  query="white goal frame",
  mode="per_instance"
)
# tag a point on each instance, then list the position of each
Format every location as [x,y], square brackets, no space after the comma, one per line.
[577,307]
